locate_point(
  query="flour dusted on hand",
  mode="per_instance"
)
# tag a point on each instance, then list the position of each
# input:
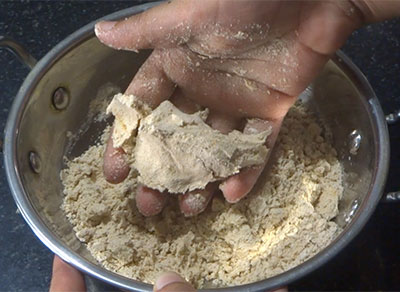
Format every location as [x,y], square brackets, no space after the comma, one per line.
[179,152]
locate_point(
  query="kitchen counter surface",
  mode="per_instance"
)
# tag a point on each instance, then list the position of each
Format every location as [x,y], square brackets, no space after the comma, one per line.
[370,262]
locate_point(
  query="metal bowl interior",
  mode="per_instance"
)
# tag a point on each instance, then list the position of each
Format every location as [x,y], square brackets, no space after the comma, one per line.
[340,96]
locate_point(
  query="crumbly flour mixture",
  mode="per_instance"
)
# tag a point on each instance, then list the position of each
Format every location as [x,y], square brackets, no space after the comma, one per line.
[286,219]
[179,152]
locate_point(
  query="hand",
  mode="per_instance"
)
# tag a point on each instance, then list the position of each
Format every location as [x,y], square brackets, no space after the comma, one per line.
[241,59]
[66,278]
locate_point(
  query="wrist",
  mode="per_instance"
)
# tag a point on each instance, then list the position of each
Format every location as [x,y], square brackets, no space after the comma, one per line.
[377,10]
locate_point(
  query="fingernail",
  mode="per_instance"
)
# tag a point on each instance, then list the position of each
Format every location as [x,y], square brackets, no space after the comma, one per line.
[167,279]
[230,200]
[104,26]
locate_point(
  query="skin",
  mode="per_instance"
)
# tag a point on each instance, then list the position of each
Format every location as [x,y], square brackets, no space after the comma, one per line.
[251,61]
[65,278]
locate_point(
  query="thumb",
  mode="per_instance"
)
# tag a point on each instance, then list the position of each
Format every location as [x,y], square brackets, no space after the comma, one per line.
[172,282]
[65,278]
[161,26]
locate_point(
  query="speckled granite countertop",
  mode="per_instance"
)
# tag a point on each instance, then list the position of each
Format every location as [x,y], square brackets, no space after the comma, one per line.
[370,262]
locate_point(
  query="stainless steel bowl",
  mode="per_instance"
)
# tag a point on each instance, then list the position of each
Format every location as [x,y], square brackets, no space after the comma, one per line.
[55,97]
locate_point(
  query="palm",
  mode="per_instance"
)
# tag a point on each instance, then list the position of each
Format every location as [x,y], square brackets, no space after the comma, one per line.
[241,59]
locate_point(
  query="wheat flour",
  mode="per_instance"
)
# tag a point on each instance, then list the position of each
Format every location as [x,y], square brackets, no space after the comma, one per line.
[285,220]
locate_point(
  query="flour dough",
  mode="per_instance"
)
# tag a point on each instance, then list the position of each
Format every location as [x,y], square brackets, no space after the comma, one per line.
[179,152]
[128,110]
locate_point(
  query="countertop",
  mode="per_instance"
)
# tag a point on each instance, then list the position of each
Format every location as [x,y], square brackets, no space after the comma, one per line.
[370,262]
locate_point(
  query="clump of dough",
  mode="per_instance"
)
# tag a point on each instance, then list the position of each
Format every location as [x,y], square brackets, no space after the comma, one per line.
[128,110]
[179,152]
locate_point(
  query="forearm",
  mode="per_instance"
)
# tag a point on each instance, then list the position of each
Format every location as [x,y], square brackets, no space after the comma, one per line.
[377,10]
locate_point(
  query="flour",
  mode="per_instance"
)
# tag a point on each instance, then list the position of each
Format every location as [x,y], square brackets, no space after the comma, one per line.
[285,220]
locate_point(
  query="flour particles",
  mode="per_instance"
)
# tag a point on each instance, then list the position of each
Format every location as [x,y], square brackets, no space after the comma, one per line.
[285,220]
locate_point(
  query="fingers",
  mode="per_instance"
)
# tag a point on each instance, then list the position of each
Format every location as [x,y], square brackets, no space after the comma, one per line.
[172,282]
[65,277]
[115,168]
[150,202]
[238,186]
[195,202]
[166,24]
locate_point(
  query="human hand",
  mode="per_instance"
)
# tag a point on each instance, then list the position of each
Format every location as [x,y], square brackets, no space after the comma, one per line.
[66,278]
[241,59]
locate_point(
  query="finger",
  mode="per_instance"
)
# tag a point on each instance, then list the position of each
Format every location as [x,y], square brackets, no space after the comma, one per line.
[223,122]
[238,186]
[284,289]
[172,282]
[152,86]
[115,168]
[195,202]
[150,202]
[166,24]
[183,103]
[150,83]
[65,278]
[191,203]
[325,26]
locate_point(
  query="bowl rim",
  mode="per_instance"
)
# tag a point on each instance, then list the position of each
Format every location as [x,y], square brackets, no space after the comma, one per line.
[381,141]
